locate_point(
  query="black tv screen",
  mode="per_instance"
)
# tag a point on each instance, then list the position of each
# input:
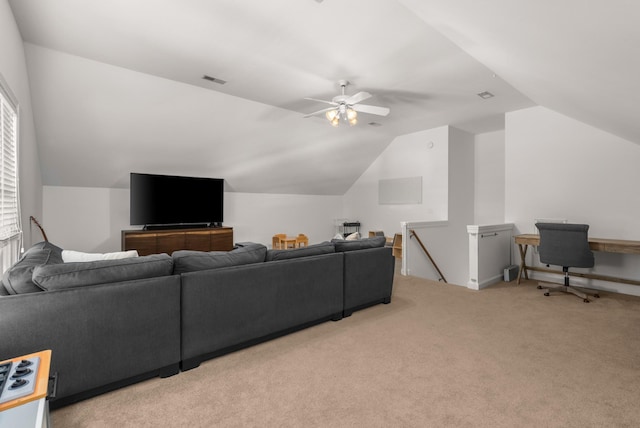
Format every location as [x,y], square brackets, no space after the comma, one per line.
[172,200]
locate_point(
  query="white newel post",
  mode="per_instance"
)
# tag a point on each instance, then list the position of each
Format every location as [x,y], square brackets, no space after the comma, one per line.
[489,253]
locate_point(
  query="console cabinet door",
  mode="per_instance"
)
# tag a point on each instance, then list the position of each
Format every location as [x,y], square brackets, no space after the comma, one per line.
[144,243]
[221,241]
[198,241]
[167,241]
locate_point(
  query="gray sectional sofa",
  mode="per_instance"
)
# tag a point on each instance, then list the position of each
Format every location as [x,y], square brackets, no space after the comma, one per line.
[116,322]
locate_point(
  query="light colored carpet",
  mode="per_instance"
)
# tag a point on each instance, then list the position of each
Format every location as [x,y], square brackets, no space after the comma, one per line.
[438,356]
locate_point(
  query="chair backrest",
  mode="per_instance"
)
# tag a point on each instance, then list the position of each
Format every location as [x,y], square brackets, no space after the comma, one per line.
[276,240]
[564,244]
[302,240]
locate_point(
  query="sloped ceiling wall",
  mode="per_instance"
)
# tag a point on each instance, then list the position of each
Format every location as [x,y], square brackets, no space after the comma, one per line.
[99,122]
[117,86]
[576,57]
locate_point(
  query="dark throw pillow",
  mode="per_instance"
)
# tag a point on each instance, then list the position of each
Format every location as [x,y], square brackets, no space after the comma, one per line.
[18,279]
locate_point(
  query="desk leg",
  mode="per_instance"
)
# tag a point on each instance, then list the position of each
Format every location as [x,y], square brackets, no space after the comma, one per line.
[523,267]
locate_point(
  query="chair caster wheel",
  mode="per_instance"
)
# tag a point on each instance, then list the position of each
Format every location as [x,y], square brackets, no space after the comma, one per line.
[597,296]
[586,300]
[546,294]
[539,287]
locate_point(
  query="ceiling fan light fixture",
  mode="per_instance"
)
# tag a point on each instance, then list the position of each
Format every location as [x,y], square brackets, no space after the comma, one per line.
[331,114]
[352,116]
[346,107]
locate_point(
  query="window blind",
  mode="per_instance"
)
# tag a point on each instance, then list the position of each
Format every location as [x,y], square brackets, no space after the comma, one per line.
[10,229]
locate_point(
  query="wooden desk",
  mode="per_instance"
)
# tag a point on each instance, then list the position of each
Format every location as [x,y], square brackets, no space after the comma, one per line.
[596,244]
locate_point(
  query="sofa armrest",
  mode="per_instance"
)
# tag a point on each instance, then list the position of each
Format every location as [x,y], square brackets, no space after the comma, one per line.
[368,278]
[99,335]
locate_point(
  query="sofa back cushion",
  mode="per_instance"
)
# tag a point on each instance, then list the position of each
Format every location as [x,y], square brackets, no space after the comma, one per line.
[18,278]
[244,253]
[311,250]
[76,274]
[360,244]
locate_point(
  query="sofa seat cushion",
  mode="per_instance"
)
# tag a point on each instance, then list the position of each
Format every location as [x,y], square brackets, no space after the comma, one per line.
[242,254]
[18,279]
[311,250]
[360,244]
[77,274]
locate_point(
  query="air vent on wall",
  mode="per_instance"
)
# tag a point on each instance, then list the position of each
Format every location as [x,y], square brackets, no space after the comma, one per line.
[214,79]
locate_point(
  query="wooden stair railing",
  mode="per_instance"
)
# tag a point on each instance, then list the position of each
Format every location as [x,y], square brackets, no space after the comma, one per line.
[412,234]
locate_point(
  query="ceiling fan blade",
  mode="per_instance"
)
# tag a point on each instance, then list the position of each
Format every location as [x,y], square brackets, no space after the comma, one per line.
[322,101]
[356,98]
[380,111]
[324,110]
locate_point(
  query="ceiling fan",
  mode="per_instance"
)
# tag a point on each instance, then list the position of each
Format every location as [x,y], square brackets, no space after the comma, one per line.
[346,107]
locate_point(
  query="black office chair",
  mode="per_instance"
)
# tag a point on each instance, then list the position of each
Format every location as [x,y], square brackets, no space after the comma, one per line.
[565,245]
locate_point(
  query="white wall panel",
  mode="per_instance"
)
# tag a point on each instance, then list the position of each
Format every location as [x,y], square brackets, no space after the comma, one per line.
[557,167]
[489,178]
[422,154]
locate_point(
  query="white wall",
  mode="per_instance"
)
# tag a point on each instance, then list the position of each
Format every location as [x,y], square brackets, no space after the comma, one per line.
[91,219]
[14,69]
[257,217]
[489,178]
[448,243]
[446,168]
[410,155]
[85,218]
[557,167]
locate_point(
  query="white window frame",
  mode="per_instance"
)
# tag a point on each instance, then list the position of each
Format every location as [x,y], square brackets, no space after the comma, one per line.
[10,219]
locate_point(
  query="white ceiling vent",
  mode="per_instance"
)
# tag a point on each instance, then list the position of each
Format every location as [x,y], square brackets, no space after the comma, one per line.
[485,95]
[214,79]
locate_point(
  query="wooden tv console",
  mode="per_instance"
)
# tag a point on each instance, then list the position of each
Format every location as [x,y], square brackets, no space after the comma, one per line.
[169,240]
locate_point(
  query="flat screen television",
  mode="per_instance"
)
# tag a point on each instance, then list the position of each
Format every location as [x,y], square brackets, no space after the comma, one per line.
[168,200]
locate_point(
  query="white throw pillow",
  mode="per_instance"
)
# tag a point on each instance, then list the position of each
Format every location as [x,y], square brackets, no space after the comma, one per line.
[78,256]
[353,237]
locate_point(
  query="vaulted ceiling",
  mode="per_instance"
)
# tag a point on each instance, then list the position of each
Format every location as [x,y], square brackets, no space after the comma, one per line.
[117,86]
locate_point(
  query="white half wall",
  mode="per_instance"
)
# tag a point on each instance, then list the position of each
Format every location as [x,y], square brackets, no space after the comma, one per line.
[91,219]
[557,167]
